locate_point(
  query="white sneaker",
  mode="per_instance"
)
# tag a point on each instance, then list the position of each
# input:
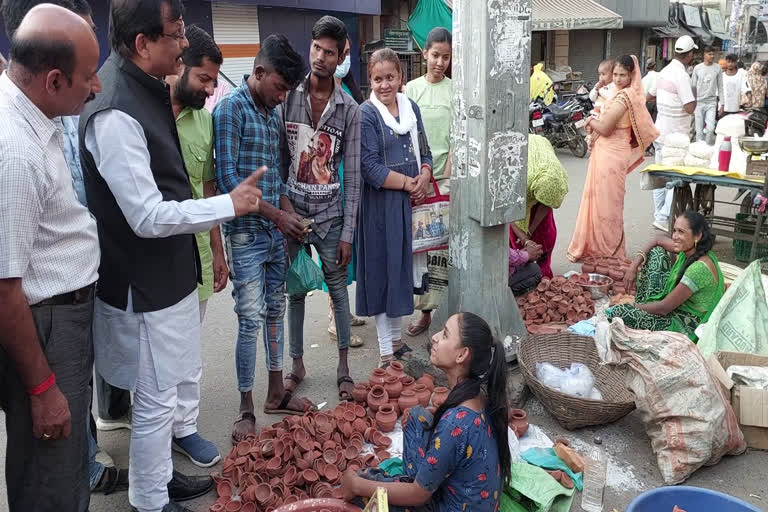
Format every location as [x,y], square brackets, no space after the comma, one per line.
[658,225]
[116,424]
[104,458]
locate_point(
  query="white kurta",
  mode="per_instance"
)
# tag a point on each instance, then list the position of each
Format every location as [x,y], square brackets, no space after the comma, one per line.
[174,332]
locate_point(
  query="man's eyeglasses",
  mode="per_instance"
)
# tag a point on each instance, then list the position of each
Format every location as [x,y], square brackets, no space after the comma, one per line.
[178,35]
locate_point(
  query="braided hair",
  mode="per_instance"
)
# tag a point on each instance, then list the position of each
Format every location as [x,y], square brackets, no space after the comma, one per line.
[699,226]
[487,375]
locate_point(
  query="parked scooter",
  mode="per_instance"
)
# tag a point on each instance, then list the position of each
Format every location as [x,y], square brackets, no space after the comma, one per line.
[563,127]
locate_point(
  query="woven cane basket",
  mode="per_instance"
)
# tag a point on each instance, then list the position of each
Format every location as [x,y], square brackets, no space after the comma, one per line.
[561,350]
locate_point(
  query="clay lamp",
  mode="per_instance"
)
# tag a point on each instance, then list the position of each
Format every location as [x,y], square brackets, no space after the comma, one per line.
[383,455]
[616,274]
[540,309]
[359,411]
[349,416]
[274,466]
[243,448]
[259,466]
[262,493]
[543,286]
[521,301]
[224,488]
[234,506]
[377,377]
[249,494]
[248,507]
[347,430]
[533,297]
[228,467]
[572,316]
[384,441]
[267,448]
[216,507]
[368,434]
[338,413]
[331,473]
[439,396]
[351,451]
[310,476]
[330,456]
[377,397]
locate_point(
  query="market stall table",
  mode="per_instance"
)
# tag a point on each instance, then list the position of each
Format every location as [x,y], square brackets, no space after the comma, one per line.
[703,199]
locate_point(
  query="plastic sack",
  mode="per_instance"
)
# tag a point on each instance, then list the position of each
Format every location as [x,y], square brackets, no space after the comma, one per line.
[303,276]
[731,125]
[677,140]
[576,381]
[739,323]
[750,376]
[685,411]
[673,161]
[693,161]
[701,150]
[673,152]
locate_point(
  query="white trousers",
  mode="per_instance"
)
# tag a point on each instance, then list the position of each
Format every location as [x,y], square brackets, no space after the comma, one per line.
[149,465]
[662,197]
[388,330]
[188,397]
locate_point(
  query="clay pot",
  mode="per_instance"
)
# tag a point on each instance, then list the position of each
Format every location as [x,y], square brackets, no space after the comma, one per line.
[519,419]
[439,395]
[377,377]
[422,393]
[588,268]
[615,274]
[393,386]
[360,393]
[407,400]
[428,380]
[386,417]
[395,369]
[395,406]
[408,381]
[602,270]
[377,396]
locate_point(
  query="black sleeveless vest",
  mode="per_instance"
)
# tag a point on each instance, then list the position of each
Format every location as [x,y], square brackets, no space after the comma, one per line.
[159,271]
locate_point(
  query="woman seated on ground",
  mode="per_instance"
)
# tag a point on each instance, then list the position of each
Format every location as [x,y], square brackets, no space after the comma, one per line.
[675,296]
[460,461]
[524,272]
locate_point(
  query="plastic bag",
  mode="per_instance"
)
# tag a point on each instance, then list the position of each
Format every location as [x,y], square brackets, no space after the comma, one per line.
[673,161]
[303,276]
[701,150]
[673,152]
[739,323]
[693,161]
[686,414]
[576,381]
[677,140]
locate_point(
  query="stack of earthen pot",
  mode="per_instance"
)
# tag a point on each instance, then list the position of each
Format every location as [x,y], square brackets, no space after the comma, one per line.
[554,301]
[615,268]
[304,456]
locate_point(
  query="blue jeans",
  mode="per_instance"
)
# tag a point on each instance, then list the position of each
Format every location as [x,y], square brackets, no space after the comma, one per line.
[705,116]
[257,270]
[335,278]
[95,469]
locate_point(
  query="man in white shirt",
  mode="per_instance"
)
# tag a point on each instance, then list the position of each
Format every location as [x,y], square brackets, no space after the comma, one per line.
[707,81]
[49,254]
[734,86]
[146,313]
[676,104]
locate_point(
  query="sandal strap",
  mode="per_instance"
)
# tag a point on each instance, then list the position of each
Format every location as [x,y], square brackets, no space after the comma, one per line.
[344,378]
[246,416]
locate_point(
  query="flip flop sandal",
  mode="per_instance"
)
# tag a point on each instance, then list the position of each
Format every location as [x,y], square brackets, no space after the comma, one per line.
[296,379]
[244,416]
[356,321]
[402,352]
[416,329]
[283,407]
[345,396]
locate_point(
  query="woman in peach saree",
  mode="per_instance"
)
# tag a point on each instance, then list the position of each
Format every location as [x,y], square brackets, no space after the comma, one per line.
[619,137]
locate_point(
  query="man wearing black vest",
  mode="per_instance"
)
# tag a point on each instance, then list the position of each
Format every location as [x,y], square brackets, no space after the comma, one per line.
[146,316]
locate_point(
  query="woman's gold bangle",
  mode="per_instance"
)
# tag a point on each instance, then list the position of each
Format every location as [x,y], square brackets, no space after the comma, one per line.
[642,255]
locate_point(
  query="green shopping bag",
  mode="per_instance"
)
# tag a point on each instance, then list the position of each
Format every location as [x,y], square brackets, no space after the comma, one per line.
[304,275]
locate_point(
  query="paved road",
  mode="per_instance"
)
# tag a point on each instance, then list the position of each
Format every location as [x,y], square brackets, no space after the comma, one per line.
[633,466]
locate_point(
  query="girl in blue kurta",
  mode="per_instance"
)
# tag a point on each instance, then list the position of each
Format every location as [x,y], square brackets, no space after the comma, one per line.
[396,166]
[458,460]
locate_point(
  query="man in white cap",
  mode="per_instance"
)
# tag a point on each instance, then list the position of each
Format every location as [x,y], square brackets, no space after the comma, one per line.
[675,104]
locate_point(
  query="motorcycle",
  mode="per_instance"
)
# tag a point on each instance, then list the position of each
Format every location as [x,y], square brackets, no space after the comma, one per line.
[563,127]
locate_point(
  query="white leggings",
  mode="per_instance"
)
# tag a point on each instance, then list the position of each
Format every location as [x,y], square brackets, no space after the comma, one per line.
[388,330]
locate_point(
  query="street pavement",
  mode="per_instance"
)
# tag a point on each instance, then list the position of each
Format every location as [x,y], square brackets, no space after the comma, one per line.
[632,463]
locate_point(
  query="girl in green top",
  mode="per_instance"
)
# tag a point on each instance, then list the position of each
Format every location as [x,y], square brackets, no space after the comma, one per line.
[674,296]
[433,93]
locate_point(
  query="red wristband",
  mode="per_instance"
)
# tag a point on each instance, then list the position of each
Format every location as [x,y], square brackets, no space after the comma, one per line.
[43,386]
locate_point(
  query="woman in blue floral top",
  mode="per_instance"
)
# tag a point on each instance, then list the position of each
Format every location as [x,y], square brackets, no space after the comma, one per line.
[461,461]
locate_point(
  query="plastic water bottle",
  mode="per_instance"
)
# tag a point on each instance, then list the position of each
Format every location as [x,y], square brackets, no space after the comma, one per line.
[596,465]
[724,156]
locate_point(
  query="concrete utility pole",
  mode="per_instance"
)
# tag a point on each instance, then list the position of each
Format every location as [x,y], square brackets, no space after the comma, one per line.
[491,73]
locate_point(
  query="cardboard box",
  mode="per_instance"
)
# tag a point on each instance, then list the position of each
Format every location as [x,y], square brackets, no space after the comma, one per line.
[749,404]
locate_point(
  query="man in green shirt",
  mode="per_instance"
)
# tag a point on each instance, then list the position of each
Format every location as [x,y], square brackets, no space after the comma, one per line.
[189,91]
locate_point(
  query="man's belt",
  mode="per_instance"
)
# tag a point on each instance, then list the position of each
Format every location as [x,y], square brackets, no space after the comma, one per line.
[80,296]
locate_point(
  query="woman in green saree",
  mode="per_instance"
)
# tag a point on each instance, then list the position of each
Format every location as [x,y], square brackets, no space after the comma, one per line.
[674,295]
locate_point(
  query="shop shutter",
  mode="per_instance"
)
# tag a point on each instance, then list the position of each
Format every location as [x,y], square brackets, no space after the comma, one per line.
[236,31]
[586,49]
[627,41]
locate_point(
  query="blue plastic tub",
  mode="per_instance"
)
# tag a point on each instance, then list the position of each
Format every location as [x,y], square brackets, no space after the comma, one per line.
[690,499]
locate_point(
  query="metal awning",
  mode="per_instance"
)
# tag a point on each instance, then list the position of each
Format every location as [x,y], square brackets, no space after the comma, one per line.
[573,15]
[674,28]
